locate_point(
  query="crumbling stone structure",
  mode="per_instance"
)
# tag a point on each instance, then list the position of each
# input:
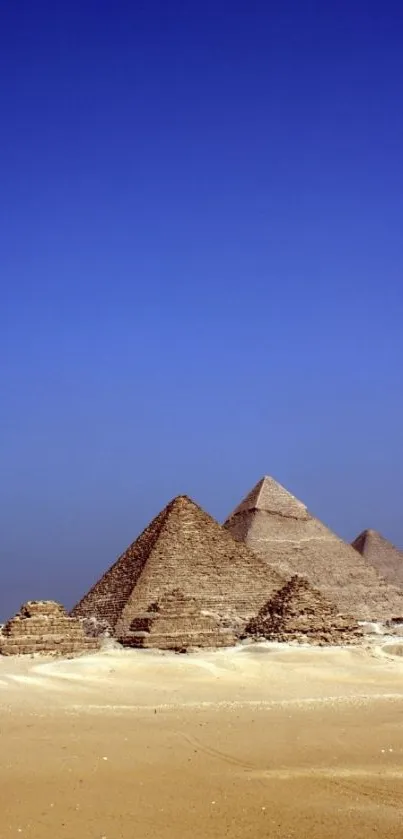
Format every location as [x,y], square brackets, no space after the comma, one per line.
[43,626]
[299,612]
[178,622]
[282,531]
[184,582]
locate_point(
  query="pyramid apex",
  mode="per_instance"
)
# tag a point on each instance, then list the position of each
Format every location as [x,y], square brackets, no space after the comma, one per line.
[271,497]
[368,532]
[182,499]
[182,502]
[381,554]
[361,540]
[369,538]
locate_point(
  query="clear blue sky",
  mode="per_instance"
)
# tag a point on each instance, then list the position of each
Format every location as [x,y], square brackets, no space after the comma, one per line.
[201,270]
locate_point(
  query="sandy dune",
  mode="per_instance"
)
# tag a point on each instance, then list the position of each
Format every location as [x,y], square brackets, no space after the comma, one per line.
[261,741]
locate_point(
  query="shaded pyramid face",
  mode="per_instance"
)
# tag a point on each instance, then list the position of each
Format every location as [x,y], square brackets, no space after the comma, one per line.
[299,612]
[184,562]
[280,529]
[381,554]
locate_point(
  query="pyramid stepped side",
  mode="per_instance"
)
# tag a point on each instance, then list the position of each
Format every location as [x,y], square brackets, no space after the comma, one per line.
[300,544]
[177,622]
[44,627]
[299,612]
[381,554]
[107,598]
[195,555]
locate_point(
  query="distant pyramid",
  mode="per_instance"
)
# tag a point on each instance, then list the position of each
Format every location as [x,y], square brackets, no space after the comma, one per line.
[379,552]
[280,529]
[300,612]
[185,580]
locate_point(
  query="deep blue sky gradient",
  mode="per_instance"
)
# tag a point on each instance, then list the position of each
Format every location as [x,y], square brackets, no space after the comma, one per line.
[201,270]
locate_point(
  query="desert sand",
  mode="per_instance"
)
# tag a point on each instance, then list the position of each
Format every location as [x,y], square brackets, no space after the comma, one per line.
[255,741]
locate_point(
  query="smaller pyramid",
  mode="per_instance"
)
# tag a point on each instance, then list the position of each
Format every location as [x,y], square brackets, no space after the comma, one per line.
[300,612]
[381,554]
[183,582]
[43,626]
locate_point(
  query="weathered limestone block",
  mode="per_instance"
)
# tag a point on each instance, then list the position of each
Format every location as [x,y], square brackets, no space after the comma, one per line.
[42,608]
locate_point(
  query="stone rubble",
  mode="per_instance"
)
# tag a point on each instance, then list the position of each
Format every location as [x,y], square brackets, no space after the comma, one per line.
[299,612]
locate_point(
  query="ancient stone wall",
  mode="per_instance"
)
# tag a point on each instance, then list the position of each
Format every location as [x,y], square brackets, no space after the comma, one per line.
[44,627]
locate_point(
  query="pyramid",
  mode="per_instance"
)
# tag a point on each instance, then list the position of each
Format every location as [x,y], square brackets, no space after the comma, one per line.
[42,626]
[299,612]
[280,529]
[380,553]
[184,576]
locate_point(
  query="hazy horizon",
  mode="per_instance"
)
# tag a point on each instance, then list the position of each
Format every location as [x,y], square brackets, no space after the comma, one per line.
[201,261]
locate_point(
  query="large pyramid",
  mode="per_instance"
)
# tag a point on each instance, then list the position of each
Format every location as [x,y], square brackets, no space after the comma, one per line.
[184,579]
[280,529]
[380,553]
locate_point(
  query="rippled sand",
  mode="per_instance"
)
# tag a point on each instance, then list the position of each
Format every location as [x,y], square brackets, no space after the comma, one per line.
[255,742]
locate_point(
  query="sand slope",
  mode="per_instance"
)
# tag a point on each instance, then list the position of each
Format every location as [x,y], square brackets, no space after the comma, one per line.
[261,741]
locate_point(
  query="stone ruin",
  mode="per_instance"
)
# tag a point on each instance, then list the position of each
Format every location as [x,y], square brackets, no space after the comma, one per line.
[299,612]
[43,626]
[177,622]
